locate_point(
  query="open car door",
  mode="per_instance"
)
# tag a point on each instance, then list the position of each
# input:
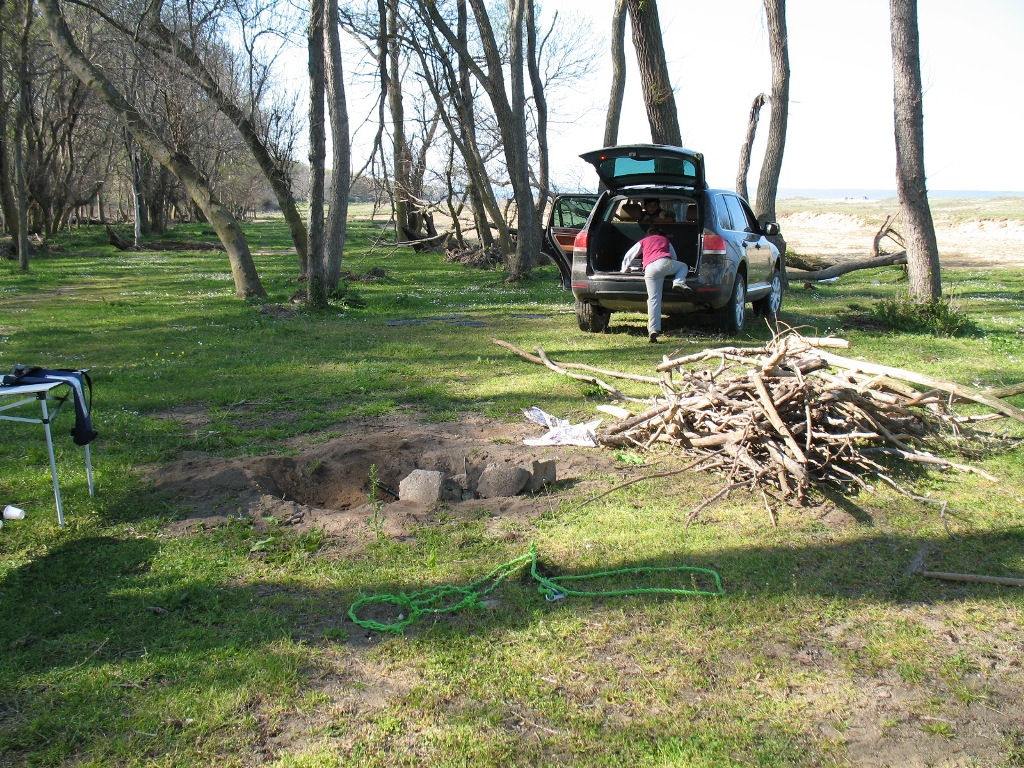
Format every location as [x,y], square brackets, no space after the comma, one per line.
[567,216]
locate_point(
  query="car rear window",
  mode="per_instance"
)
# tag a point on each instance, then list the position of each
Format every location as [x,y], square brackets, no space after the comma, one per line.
[622,168]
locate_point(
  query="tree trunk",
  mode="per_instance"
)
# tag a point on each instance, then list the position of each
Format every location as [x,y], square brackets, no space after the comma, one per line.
[611,122]
[654,77]
[402,156]
[511,125]
[771,167]
[477,190]
[517,150]
[541,105]
[342,173]
[138,196]
[316,274]
[20,125]
[748,145]
[8,203]
[21,190]
[918,228]
[243,269]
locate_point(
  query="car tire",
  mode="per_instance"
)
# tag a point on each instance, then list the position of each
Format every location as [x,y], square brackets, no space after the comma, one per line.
[770,305]
[592,318]
[729,319]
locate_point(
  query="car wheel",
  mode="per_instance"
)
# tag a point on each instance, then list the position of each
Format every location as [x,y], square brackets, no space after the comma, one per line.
[770,305]
[592,318]
[729,318]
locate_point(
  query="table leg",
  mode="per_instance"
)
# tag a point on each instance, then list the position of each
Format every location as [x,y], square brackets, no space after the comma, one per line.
[53,461]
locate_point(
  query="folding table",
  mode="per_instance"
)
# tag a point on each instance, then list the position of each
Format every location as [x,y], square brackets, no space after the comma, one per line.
[21,395]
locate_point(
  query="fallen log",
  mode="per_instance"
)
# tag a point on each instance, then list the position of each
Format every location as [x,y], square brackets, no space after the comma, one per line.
[850,266]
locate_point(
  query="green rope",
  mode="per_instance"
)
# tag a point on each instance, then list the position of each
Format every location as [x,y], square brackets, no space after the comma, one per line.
[445,598]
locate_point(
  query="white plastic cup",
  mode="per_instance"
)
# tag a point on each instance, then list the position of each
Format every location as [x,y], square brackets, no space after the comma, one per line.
[12,512]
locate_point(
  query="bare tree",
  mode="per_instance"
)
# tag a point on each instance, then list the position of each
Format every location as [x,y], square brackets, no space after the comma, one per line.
[534,51]
[21,121]
[654,78]
[247,281]
[771,167]
[341,175]
[316,273]
[918,228]
[748,144]
[508,103]
[611,124]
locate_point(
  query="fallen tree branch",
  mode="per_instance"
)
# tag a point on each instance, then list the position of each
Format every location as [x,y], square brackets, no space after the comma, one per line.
[916,378]
[578,366]
[851,266]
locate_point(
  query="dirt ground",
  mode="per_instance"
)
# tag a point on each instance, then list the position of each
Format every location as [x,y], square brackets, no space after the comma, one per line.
[981,244]
[328,485]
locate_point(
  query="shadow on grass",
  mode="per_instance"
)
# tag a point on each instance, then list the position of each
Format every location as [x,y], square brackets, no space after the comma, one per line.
[147,651]
[98,599]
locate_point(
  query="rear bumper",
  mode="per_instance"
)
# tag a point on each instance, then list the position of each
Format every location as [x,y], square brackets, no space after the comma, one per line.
[628,293]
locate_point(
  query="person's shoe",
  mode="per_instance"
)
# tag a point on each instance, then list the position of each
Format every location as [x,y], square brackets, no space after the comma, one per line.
[652,338]
[679,285]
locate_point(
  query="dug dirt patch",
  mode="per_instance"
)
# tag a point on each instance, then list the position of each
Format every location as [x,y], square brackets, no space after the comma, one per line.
[348,484]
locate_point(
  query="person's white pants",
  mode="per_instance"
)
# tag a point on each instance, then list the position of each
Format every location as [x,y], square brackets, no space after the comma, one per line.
[654,277]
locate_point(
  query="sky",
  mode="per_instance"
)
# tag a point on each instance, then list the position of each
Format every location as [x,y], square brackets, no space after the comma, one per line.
[840,132]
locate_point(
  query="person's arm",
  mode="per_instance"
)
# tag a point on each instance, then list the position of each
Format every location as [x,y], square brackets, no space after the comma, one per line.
[672,252]
[631,254]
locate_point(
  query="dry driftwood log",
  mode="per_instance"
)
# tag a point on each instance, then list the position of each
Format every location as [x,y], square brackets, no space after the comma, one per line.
[789,416]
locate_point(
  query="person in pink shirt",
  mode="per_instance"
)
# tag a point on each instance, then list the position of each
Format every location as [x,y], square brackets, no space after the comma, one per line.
[659,261]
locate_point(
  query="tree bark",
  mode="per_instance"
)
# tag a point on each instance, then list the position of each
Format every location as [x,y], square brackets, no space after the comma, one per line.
[402,156]
[243,269]
[514,133]
[341,150]
[748,145]
[480,198]
[654,78]
[533,52]
[7,173]
[612,118]
[20,124]
[771,167]
[925,282]
[316,274]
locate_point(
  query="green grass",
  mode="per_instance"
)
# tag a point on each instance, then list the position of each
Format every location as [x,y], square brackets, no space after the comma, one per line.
[126,646]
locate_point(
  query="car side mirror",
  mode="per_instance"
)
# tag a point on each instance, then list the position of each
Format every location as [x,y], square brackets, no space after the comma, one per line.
[772,229]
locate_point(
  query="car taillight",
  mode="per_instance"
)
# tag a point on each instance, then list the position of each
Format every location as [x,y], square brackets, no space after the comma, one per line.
[580,243]
[713,244]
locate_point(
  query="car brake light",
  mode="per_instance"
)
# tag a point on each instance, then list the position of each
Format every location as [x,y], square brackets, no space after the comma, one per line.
[713,244]
[580,243]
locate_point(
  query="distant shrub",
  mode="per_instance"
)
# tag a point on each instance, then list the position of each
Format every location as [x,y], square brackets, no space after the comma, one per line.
[939,317]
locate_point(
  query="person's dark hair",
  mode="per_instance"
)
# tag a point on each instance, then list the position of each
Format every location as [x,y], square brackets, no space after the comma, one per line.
[654,229]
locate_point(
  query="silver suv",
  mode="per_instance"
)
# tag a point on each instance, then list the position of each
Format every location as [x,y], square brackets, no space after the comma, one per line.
[731,262]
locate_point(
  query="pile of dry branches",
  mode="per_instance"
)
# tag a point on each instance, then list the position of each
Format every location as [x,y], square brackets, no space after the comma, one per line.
[474,256]
[790,415]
